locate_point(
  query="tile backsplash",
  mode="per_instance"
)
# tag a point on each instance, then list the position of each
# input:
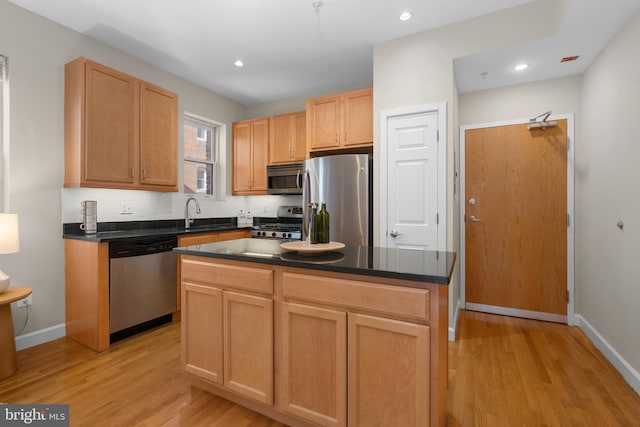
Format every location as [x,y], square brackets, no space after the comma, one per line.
[133,205]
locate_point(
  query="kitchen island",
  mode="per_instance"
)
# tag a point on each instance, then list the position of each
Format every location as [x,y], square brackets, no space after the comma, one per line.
[351,337]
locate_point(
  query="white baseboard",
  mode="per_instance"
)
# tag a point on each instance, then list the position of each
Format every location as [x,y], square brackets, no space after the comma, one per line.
[626,370]
[39,337]
[454,327]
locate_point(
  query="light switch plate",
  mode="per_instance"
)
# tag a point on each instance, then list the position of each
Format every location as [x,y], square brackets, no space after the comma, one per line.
[127,209]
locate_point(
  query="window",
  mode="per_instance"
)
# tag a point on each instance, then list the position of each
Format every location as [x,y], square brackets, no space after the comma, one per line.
[201,139]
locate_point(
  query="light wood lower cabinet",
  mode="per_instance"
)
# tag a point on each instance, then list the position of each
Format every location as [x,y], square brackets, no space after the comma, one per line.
[248,345]
[319,348]
[383,355]
[202,332]
[227,336]
[388,372]
[314,363]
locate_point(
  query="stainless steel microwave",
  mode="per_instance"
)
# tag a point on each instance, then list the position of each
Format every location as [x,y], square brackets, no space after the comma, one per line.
[284,179]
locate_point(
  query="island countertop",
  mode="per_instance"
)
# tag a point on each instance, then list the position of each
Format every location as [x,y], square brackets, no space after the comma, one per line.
[405,264]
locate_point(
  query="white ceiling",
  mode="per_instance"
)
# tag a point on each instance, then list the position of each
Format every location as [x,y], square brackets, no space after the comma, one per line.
[291,49]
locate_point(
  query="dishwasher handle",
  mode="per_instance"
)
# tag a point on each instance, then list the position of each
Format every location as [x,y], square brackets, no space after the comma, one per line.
[138,247]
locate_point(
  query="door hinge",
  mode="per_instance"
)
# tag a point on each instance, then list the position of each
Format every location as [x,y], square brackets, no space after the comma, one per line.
[568,296]
[438,135]
[437,219]
[568,220]
[568,144]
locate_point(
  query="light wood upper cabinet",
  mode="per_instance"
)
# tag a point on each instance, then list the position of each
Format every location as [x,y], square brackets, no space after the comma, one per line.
[340,121]
[288,139]
[158,132]
[120,132]
[250,156]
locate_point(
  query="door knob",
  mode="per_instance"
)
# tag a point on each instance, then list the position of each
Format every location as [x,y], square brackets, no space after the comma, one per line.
[473,218]
[394,233]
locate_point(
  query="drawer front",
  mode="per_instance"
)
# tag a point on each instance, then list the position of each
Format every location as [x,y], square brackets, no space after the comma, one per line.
[227,275]
[371,297]
[197,239]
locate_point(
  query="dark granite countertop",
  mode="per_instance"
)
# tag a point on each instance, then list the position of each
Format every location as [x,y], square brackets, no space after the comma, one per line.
[419,266]
[113,231]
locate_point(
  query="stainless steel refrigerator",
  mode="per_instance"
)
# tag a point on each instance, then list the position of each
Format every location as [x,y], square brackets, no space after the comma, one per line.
[344,182]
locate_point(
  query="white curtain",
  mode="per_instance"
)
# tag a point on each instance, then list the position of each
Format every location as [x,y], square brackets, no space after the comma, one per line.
[4,134]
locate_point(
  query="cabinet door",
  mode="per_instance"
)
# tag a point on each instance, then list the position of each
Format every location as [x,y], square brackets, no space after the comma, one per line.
[314,360]
[279,143]
[248,346]
[259,154]
[299,137]
[158,137]
[388,372]
[357,118]
[241,157]
[202,331]
[323,119]
[111,126]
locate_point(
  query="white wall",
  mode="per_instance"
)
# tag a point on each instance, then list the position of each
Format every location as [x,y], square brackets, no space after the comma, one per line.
[607,176]
[418,69]
[37,51]
[525,101]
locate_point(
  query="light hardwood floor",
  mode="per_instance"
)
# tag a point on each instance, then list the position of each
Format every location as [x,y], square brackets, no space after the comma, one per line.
[502,372]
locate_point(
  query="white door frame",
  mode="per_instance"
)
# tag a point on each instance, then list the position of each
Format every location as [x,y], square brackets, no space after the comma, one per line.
[570,207]
[441,108]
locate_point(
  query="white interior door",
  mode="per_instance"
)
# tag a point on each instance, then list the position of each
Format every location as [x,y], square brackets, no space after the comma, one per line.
[411,181]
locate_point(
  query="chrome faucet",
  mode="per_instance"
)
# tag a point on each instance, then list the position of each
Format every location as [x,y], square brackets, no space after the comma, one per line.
[187,220]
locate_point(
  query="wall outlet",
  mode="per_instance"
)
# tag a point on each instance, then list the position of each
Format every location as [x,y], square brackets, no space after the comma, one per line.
[25,302]
[127,209]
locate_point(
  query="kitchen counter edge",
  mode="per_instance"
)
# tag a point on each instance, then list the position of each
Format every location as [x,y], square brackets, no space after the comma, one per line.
[363,271]
[110,236]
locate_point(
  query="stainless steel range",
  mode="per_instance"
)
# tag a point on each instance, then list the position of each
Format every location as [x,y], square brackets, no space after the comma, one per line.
[287,226]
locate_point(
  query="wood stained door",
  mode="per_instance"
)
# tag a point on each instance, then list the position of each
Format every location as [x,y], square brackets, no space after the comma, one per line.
[516,220]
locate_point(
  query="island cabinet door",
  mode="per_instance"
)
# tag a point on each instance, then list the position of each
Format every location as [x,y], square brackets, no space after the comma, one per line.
[388,372]
[314,361]
[248,345]
[202,331]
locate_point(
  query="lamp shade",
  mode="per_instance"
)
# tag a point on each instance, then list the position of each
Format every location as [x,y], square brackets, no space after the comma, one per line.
[9,241]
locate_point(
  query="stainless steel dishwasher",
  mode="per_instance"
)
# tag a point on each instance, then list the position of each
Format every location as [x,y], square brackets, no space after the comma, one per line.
[142,284]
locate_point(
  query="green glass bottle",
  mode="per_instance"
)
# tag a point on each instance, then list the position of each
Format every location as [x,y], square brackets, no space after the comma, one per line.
[322,222]
[313,228]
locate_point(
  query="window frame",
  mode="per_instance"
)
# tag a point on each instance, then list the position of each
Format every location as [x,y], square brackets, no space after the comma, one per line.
[217,139]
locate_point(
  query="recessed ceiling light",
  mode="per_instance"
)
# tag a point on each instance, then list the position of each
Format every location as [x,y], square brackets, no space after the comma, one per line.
[405,16]
[521,67]
[238,63]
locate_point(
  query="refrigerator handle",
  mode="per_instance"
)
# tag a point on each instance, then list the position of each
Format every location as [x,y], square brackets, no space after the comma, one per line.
[306,200]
